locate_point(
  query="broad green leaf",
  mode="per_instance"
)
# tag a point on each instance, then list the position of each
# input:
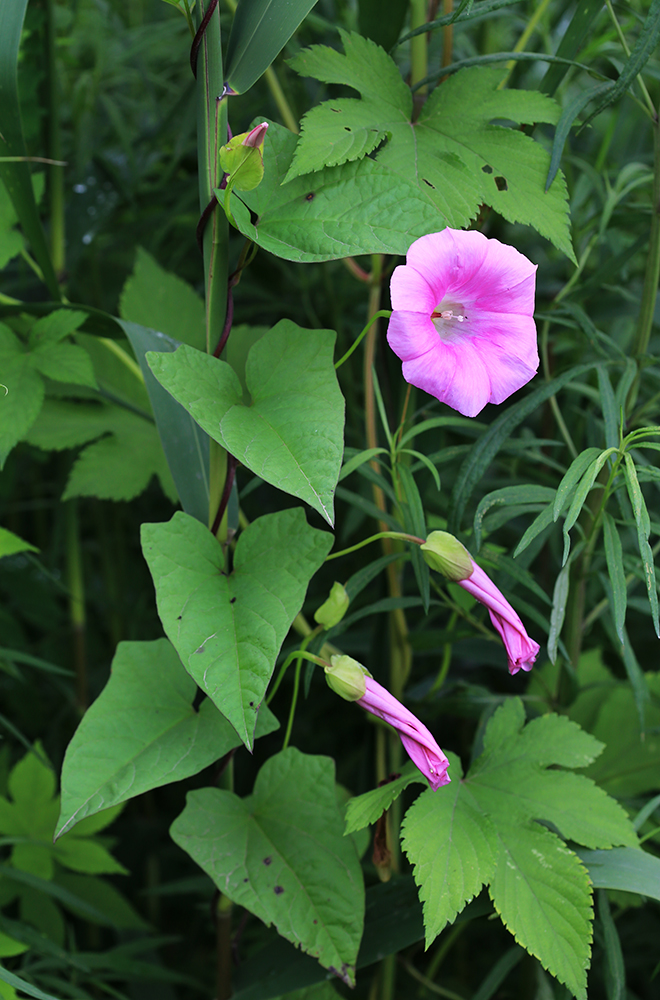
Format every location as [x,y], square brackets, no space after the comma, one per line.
[629,764]
[228,627]
[614,558]
[157,299]
[260,30]
[453,153]
[10,544]
[624,868]
[358,208]
[120,751]
[16,176]
[120,465]
[483,452]
[363,810]
[54,326]
[452,846]
[64,363]
[508,495]
[292,433]
[282,855]
[643,523]
[185,444]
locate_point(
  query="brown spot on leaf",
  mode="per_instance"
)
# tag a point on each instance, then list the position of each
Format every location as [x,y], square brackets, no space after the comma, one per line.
[310,196]
[278,890]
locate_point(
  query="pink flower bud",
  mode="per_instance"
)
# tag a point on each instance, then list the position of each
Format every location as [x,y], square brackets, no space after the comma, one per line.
[416,738]
[256,137]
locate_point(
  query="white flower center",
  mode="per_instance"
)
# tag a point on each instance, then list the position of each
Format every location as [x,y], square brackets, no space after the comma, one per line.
[447,318]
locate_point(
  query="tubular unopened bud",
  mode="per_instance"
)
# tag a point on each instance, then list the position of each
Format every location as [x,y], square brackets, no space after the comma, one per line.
[346,677]
[256,137]
[445,554]
[333,610]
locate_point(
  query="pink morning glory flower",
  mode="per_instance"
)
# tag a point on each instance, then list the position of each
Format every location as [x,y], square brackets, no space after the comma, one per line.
[462,320]
[448,556]
[353,682]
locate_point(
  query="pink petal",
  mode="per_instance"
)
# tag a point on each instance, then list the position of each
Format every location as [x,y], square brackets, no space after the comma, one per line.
[521,650]
[504,333]
[411,334]
[505,281]
[448,260]
[410,291]
[454,373]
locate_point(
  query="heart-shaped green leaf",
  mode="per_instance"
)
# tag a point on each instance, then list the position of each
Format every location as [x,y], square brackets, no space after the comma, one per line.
[292,433]
[228,627]
[119,750]
[282,855]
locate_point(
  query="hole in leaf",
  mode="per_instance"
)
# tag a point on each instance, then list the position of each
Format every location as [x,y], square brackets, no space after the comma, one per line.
[347,129]
[337,111]
[310,196]
[278,890]
[429,183]
[268,860]
[501,184]
[487,169]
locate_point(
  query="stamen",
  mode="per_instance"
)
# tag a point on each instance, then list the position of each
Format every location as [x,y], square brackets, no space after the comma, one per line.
[448,314]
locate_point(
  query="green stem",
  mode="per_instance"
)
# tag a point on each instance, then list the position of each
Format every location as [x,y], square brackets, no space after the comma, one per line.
[298,654]
[382,313]
[418,44]
[400,535]
[76,586]
[279,97]
[626,49]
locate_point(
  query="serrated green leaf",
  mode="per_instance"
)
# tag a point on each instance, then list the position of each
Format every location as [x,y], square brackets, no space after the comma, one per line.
[363,810]
[452,152]
[296,447]
[120,751]
[295,869]
[119,466]
[64,363]
[543,895]
[260,30]
[643,523]
[54,326]
[185,444]
[508,495]
[160,300]
[452,846]
[354,209]
[10,544]
[21,402]
[228,628]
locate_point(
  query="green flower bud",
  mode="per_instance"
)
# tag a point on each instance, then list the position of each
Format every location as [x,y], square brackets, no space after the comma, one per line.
[346,677]
[333,610]
[241,158]
[445,554]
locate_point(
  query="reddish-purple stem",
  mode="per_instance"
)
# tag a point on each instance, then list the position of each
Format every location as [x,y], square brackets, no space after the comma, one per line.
[197,40]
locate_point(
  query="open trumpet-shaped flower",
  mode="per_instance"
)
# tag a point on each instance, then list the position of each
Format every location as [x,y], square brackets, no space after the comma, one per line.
[349,679]
[462,320]
[445,554]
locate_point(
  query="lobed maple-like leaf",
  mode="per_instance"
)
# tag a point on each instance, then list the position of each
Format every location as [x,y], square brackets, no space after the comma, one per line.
[503,825]
[454,152]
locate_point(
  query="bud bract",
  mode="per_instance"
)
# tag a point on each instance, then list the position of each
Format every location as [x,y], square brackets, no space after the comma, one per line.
[241,158]
[346,677]
[445,554]
[333,610]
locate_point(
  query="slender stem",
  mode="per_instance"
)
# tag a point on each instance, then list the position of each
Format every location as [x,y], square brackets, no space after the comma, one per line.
[554,405]
[279,97]
[298,654]
[447,34]
[524,38]
[382,313]
[418,44]
[400,535]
